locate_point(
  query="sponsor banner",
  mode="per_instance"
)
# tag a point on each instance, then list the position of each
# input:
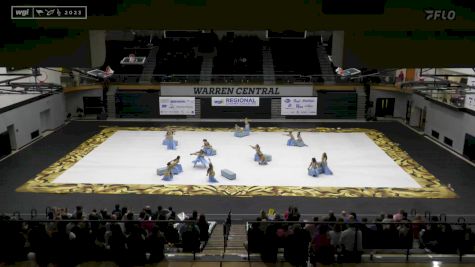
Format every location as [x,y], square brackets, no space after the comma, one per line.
[299,106]
[470,100]
[177,105]
[236,90]
[471,81]
[235,101]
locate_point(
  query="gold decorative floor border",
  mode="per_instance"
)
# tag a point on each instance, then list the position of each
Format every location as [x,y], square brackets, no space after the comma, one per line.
[430,186]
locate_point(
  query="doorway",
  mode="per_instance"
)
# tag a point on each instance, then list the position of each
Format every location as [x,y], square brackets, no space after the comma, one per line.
[5,145]
[45,120]
[422,119]
[385,107]
[408,111]
[12,136]
[469,147]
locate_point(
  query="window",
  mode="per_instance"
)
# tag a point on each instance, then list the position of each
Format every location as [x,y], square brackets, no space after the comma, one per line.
[448,141]
[35,134]
[435,134]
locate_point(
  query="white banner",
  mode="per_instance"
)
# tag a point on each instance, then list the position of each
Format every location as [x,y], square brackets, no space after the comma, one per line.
[177,105]
[299,106]
[236,90]
[235,101]
[470,100]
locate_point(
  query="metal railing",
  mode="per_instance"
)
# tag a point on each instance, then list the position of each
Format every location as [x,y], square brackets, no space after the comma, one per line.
[460,243]
[177,247]
[452,97]
[226,79]
[455,239]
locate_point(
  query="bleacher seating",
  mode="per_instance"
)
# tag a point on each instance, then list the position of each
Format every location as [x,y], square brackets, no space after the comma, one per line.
[295,56]
[238,55]
[178,57]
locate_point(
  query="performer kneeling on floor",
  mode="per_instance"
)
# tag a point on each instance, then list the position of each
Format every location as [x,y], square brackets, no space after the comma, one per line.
[176,166]
[208,148]
[239,131]
[291,141]
[324,165]
[299,142]
[210,173]
[313,168]
[168,175]
[259,156]
[200,158]
[169,142]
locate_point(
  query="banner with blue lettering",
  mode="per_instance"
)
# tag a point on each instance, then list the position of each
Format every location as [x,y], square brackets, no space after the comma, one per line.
[177,105]
[299,106]
[235,101]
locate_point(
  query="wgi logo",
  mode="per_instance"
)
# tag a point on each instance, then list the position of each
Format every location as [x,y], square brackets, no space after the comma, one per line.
[440,14]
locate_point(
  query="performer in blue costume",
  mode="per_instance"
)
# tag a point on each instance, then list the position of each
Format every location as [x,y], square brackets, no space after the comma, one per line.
[299,142]
[200,158]
[247,126]
[210,173]
[209,151]
[313,168]
[291,141]
[239,131]
[324,165]
[168,176]
[169,142]
[259,156]
[176,166]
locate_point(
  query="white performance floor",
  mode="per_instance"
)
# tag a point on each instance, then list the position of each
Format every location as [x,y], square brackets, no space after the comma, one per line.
[132,157]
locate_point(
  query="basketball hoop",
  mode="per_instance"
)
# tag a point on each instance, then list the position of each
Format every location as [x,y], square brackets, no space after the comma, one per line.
[109,70]
[132,58]
[43,77]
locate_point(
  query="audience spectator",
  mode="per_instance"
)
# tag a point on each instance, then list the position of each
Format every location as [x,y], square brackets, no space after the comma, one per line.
[296,247]
[127,240]
[156,245]
[191,238]
[204,228]
[269,245]
[322,248]
[255,237]
[312,227]
[335,234]
[351,241]
[331,216]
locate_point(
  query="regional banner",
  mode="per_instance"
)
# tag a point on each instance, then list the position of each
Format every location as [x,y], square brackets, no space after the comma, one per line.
[299,106]
[177,105]
[235,101]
